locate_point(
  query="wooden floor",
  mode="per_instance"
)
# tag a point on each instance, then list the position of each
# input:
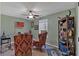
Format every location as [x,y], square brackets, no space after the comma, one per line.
[11,52]
[35,52]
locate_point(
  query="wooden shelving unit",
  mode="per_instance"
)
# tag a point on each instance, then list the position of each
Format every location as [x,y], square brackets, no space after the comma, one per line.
[66,35]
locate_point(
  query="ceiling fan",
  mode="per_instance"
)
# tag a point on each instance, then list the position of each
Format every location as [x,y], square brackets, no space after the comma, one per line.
[31,15]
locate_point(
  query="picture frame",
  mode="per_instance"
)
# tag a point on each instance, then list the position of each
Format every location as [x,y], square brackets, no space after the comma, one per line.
[36,27]
[19,24]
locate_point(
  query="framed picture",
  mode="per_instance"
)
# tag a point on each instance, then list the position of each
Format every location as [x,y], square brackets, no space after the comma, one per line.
[19,24]
[36,27]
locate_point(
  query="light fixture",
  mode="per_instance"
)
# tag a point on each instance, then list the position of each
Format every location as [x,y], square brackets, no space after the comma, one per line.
[30,15]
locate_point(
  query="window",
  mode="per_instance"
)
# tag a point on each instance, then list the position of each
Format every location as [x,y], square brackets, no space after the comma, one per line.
[43,25]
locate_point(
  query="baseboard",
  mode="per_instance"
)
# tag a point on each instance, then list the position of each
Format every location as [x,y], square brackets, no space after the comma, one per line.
[52,45]
[12,42]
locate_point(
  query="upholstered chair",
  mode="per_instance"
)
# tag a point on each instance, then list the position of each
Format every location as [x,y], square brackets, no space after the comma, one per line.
[42,40]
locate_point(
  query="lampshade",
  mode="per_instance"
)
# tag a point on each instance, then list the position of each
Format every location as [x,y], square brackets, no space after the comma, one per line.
[30,16]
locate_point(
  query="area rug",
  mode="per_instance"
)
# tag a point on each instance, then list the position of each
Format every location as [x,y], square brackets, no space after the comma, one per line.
[51,51]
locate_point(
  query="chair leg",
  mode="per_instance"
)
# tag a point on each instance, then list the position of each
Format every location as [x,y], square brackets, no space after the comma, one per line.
[10,44]
[1,47]
[49,52]
[44,46]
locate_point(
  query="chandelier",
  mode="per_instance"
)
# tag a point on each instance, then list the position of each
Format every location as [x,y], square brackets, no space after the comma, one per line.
[30,15]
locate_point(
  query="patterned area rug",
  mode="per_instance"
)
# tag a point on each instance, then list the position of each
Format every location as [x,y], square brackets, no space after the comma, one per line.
[51,51]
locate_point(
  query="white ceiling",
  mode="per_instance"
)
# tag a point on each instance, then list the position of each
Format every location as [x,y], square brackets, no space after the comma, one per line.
[17,9]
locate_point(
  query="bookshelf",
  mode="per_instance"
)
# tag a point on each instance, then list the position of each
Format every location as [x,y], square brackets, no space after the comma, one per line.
[66,35]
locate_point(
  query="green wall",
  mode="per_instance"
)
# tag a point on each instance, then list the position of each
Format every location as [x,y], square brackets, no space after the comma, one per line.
[53,25]
[8,25]
[26,26]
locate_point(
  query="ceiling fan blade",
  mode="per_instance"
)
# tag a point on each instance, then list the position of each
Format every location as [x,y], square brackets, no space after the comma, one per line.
[36,15]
